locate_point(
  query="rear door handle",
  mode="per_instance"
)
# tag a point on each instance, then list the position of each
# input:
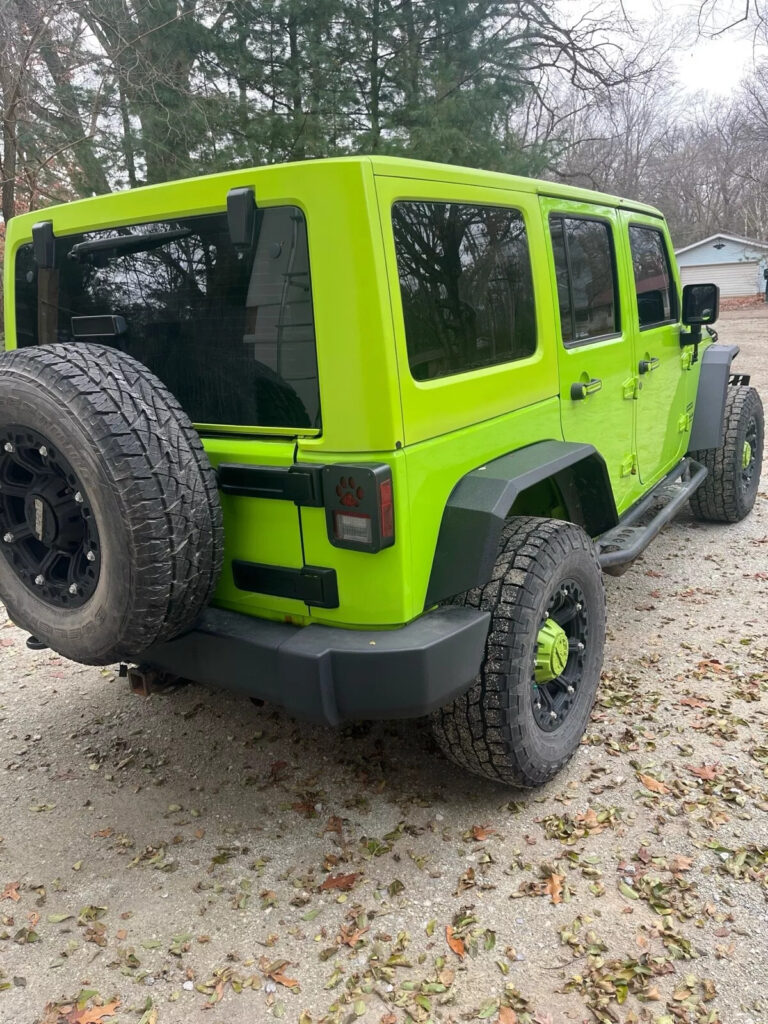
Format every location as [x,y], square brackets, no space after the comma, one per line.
[646,365]
[580,390]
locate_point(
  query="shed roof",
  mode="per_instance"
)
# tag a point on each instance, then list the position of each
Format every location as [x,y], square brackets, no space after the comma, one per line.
[728,238]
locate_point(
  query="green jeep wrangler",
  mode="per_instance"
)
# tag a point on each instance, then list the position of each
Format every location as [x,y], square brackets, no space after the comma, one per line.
[358,436]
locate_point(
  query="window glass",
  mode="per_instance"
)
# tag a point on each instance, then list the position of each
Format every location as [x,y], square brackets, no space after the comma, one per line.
[656,298]
[231,334]
[466,286]
[586,278]
[561,272]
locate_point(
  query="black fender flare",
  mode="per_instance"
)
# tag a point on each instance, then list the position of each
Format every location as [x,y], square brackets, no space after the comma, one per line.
[709,411]
[475,513]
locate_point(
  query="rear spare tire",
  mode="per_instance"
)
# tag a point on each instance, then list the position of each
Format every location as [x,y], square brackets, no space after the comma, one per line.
[111,533]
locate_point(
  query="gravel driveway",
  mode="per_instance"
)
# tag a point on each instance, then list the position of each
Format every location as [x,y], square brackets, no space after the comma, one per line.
[190,857]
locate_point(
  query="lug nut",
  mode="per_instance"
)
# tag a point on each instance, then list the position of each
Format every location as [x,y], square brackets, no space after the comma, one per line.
[570,689]
[538,707]
[91,556]
[580,645]
[8,538]
[553,715]
[43,450]
[78,497]
[8,447]
[73,589]
[39,580]
[578,606]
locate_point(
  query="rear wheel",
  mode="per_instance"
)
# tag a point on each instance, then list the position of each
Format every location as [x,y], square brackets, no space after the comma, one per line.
[730,488]
[111,536]
[525,714]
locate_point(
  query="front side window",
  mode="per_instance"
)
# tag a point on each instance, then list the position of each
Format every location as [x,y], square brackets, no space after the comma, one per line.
[466,286]
[585,268]
[231,334]
[656,298]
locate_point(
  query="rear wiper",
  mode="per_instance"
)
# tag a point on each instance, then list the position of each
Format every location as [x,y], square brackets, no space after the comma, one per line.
[126,244]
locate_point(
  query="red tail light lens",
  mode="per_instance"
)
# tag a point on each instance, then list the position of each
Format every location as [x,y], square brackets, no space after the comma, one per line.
[386,509]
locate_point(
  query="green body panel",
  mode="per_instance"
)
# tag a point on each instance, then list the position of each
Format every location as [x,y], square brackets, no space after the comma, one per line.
[609,360]
[437,407]
[661,427]
[258,529]
[436,466]
[430,433]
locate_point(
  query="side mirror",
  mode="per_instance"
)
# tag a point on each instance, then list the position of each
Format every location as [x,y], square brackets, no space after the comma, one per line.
[701,304]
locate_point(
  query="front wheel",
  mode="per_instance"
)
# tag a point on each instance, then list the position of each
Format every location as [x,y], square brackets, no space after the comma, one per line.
[523,717]
[730,488]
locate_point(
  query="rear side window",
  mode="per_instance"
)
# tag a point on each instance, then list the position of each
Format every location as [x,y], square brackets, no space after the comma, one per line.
[585,267]
[466,286]
[656,296]
[231,334]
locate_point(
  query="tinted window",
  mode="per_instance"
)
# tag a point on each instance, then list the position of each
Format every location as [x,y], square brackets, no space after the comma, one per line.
[656,298]
[231,334]
[465,281]
[586,278]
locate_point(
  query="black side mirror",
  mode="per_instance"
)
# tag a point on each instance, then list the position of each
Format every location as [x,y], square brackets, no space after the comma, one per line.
[701,304]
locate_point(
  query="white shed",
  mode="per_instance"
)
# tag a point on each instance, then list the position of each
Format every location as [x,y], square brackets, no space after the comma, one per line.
[735,264]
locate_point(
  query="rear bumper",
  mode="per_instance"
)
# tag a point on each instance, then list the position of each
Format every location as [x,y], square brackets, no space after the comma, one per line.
[333,675]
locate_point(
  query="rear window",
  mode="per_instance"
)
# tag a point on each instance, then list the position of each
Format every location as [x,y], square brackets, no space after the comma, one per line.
[466,286]
[231,334]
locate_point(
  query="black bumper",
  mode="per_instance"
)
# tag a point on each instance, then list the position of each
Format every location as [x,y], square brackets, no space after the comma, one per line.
[329,674]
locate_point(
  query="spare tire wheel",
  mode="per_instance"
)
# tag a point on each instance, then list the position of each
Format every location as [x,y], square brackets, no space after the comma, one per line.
[111,535]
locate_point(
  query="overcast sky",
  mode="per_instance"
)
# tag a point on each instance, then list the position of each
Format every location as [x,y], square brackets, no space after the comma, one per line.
[717,64]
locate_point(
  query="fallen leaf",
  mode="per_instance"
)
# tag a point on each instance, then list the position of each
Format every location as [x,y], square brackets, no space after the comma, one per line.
[343,882]
[95,1015]
[554,887]
[507,1015]
[653,784]
[281,979]
[11,892]
[703,771]
[482,832]
[456,943]
[681,864]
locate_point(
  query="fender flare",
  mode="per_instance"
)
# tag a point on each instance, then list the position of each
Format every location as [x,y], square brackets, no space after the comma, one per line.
[709,411]
[475,513]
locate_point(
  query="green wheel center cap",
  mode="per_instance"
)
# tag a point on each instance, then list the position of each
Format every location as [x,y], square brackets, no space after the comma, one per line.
[746,455]
[551,652]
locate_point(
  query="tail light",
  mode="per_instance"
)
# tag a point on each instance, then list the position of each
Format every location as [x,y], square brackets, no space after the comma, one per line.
[359,506]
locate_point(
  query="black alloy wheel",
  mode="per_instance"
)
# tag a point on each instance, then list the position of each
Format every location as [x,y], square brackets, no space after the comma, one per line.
[48,534]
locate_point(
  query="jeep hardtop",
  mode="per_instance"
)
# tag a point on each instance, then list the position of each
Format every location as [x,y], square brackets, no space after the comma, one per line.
[358,436]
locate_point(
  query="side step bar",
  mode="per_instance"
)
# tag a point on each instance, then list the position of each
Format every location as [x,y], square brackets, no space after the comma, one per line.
[645,520]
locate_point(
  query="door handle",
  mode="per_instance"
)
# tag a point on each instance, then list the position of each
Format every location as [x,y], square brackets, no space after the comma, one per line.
[646,365]
[580,390]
